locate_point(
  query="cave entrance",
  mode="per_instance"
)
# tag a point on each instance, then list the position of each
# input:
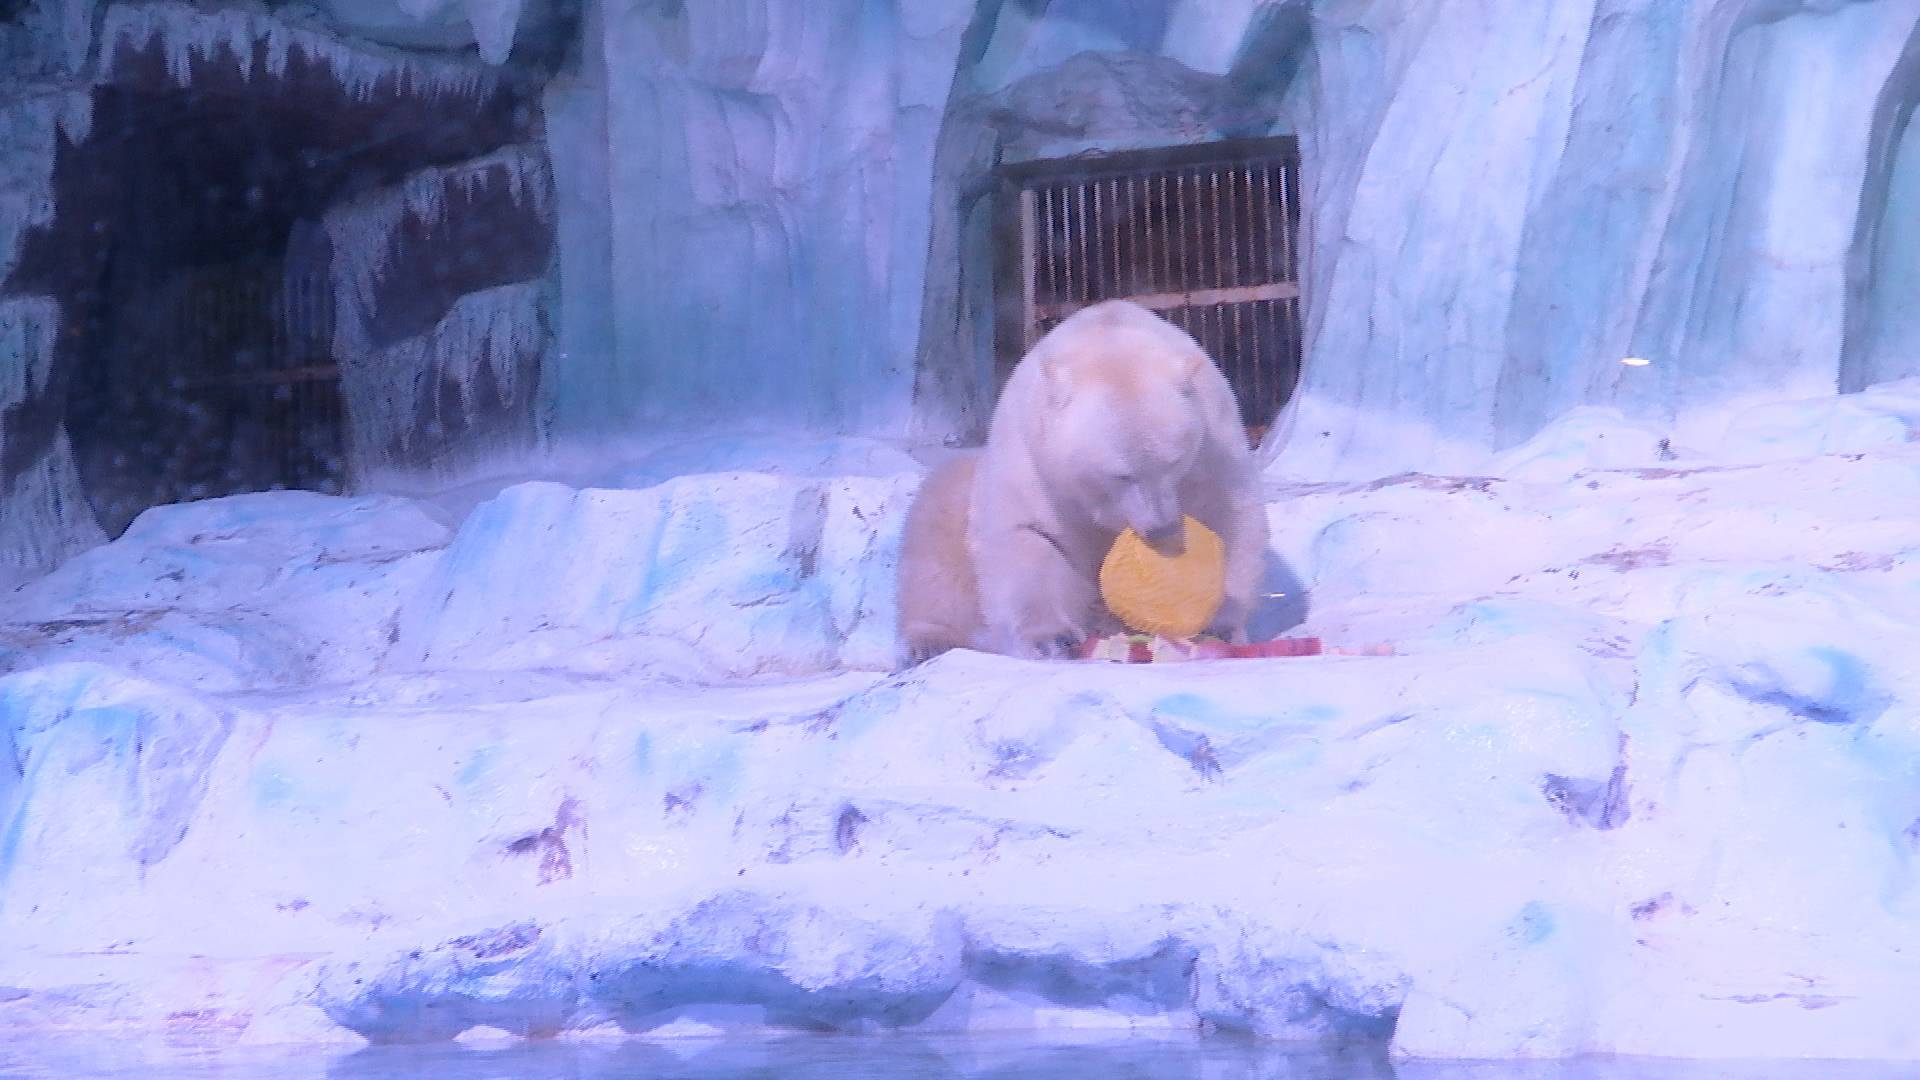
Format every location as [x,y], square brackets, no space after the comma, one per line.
[195,356]
[201,361]
[1206,235]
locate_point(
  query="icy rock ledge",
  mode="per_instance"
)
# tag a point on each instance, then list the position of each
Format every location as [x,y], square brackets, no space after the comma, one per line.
[743,573]
[702,577]
[1641,779]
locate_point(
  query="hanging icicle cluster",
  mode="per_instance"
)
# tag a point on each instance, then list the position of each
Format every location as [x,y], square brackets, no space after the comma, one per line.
[29,132]
[44,517]
[263,43]
[362,232]
[490,337]
[394,392]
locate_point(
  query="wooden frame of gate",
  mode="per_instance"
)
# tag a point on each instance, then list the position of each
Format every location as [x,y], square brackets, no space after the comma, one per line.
[1205,234]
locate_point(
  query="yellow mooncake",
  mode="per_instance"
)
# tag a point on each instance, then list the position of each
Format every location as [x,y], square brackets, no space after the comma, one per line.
[1154,594]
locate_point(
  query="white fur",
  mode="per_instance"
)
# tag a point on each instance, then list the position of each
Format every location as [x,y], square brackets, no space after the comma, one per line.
[1116,418]
[939,600]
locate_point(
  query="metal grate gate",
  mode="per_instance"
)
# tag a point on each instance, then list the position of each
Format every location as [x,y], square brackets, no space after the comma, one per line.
[255,356]
[1204,235]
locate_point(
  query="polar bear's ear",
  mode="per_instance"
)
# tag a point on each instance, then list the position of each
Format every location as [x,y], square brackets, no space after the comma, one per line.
[1192,369]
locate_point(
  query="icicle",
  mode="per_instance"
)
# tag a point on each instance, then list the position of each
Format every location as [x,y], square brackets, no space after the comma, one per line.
[76,32]
[494,23]
[279,53]
[44,518]
[389,391]
[28,135]
[361,232]
[27,328]
[76,116]
[188,36]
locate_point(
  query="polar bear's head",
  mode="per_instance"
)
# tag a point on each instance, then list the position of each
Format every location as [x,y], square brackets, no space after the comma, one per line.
[1124,423]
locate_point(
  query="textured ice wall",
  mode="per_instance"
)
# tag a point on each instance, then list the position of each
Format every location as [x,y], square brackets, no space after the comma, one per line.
[1503,201]
[1883,338]
[586,387]
[1716,244]
[766,210]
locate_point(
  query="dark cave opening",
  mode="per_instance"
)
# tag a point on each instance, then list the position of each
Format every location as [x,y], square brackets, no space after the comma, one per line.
[193,361]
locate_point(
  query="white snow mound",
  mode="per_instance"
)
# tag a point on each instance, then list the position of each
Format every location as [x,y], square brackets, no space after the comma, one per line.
[1638,778]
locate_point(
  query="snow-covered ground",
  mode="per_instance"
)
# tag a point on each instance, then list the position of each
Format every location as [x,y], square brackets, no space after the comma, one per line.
[1642,776]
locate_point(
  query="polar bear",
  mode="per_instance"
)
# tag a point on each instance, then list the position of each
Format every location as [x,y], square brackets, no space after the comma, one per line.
[939,597]
[1116,418]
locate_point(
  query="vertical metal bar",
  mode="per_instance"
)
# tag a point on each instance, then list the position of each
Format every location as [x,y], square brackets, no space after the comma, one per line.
[1059,230]
[1290,310]
[1179,208]
[1107,235]
[1288,264]
[1289,363]
[1219,271]
[1258,348]
[1246,362]
[1074,214]
[1140,212]
[1086,285]
[1029,224]
[1134,276]
[1163,272]
[1143,214]
[1067,259]
[1111,231]
[1233,233]
[1107,210]
[1042,242]
[1273,350]
[1100,280]
[1267,239]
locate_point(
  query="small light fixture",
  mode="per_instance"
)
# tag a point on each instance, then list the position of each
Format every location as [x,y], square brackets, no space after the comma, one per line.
[1636,361]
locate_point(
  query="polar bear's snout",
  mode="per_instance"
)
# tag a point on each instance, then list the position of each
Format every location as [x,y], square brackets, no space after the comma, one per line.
[1169,540]
[1155,515]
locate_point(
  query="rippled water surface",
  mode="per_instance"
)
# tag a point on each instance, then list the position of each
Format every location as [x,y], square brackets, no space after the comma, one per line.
[865,1058]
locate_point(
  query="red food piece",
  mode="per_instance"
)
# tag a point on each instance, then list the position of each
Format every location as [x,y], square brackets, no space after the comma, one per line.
[1300,646]
[1214,649]
[1138,649]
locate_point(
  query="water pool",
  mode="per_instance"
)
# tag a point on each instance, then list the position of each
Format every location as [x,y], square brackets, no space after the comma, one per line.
[864,1058]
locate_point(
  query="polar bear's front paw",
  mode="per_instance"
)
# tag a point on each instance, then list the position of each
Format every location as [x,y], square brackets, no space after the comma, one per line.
[1232,634]
[1230,623]
[1062,647]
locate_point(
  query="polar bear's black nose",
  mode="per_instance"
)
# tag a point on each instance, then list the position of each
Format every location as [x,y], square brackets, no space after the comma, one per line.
[1169,540]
